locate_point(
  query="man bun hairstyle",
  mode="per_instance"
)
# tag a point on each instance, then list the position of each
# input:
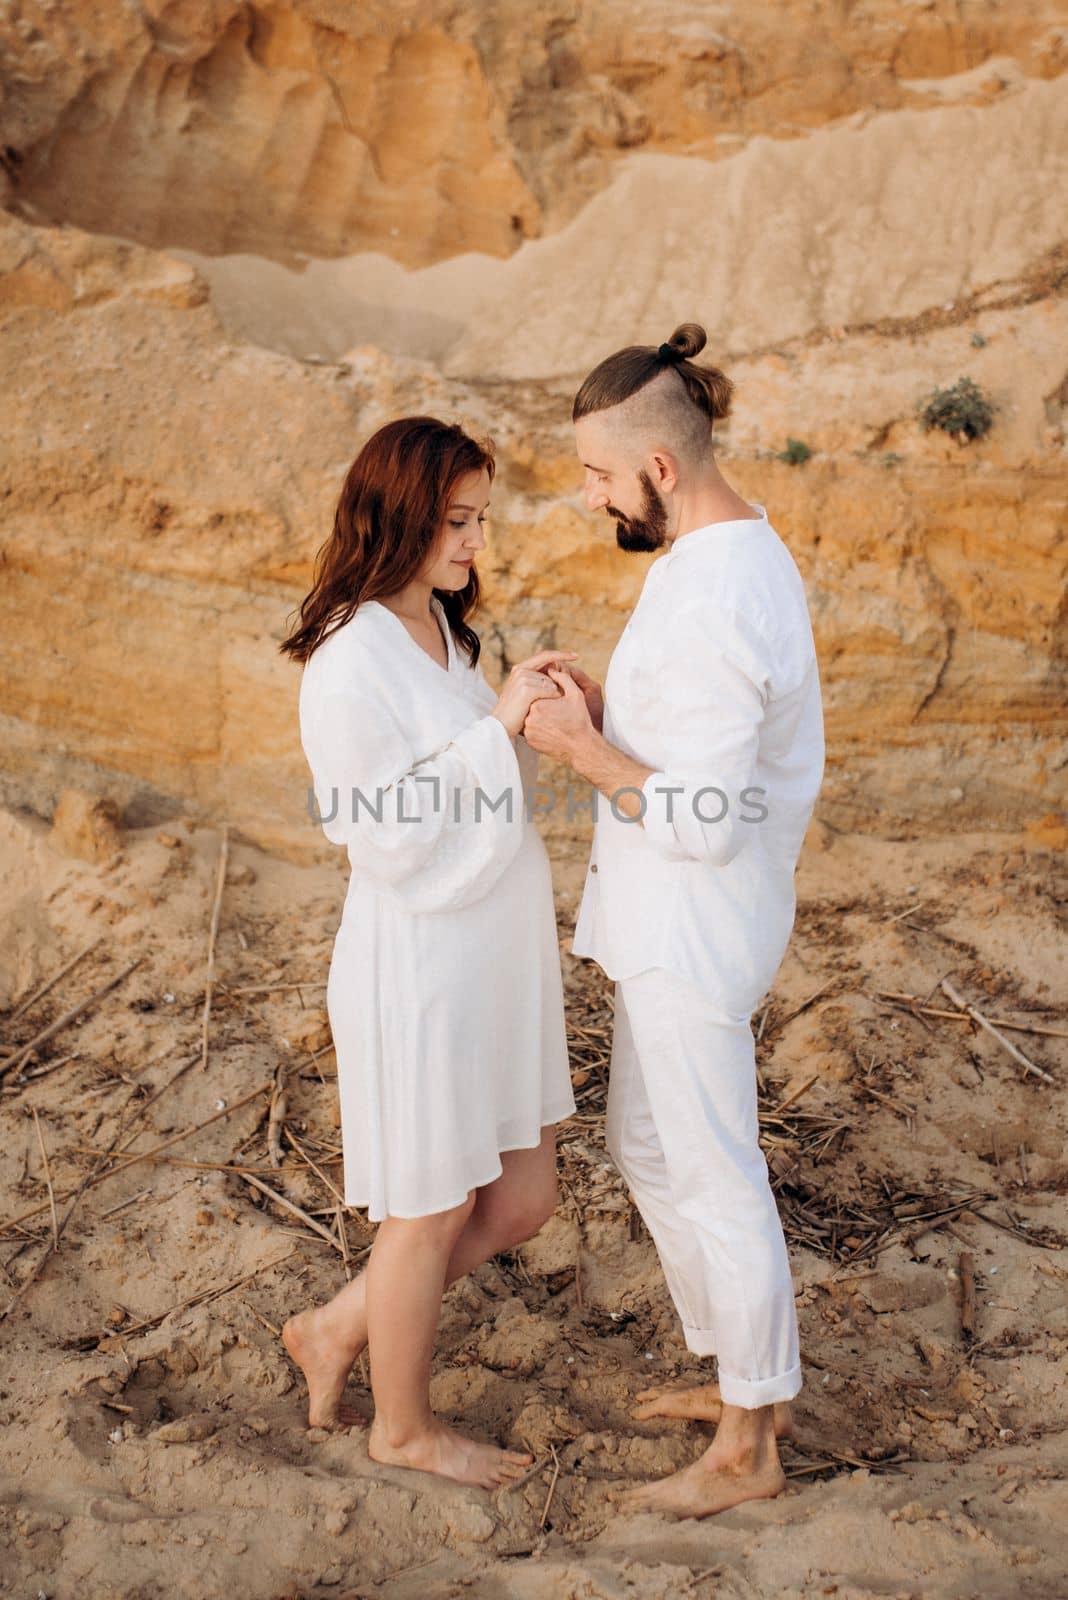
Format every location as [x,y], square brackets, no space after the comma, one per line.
[621,376]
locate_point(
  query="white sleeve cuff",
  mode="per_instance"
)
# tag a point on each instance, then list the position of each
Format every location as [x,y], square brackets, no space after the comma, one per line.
[659,808]
[488,748]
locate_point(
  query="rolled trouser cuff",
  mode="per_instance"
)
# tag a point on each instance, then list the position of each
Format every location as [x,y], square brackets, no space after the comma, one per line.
[701,1341]
[754,1392]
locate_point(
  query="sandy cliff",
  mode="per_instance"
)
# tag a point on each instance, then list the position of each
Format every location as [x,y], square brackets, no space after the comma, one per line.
[166,484]
[238,237]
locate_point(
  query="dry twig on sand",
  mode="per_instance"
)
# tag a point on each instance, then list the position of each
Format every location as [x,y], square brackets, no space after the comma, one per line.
[276,1119]
[984,1022]
[552,1488]
[26,1050]
[54,1238]
[294,1142]
[48,1180]
[39,994]
[309,1222]
[966,1269]
[214,1292]
[915,1005]
[95,1178]
[209,983]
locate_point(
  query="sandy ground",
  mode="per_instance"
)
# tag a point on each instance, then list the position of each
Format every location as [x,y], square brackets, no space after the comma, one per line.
[155,1442]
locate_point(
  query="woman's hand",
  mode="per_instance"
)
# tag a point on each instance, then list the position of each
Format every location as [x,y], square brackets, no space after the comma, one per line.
[526,683]
[545,659]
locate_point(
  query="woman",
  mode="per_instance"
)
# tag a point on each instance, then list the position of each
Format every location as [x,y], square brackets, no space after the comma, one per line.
[444,992]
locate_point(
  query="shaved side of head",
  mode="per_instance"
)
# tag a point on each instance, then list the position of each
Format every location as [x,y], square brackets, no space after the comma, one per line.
[661,416]
[648,397]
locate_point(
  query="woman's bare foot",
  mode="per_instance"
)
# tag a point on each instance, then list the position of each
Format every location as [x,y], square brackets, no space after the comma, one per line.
[709,1485]
[441,1450]
[703,1404]
[326,1368]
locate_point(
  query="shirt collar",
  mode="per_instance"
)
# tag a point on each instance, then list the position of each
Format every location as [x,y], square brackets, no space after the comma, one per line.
[711,530]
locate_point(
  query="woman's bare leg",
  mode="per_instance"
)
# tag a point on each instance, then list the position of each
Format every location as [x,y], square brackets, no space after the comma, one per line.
[326,1341]
[405,1281]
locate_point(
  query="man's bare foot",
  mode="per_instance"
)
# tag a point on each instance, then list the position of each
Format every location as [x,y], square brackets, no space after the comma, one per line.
[326,1369]
[441,1450]
[709,1484]
[702,1404]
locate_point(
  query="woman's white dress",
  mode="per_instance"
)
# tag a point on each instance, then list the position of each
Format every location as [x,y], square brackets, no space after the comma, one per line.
[444,993]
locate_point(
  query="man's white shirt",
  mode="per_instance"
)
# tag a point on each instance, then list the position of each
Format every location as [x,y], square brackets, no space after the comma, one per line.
[715,684]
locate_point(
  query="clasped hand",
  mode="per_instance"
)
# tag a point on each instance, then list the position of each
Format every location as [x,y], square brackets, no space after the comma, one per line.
[553,703]
[554,725]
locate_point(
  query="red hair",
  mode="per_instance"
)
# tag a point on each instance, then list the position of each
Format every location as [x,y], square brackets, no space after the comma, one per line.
[387,521]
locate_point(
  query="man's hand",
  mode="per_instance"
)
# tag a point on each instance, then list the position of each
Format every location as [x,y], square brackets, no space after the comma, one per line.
[592,694]
[558,727]
[562,727]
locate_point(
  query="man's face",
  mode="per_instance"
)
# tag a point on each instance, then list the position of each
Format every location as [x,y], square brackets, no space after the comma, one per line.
[630,497]
[647,530]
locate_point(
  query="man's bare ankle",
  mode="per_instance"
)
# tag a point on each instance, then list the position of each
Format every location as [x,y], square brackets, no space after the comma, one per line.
[745,1454]
[749,1436]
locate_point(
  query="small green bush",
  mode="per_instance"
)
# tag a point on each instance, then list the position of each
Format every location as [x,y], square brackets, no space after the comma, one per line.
[962,410]
[795,453]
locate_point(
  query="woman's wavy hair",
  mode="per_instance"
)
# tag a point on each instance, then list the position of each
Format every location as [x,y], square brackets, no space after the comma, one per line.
[387,520]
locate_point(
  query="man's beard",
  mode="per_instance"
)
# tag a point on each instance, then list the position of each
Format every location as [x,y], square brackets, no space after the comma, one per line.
[647,531]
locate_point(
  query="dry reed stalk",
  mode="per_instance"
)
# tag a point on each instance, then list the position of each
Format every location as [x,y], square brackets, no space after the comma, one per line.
[339,1219]
[810,1001]
[271,988]
[963,1016]
[261,1318]
[966,1268]
[48,1180]
[276,1117]
[40,993]
[146,1105]
[144,1155]
[552,1488]
[984,1022]
[214,1293]
[796,1094]
[280,1199]
[319,1173]
[209,984]
[68,1016]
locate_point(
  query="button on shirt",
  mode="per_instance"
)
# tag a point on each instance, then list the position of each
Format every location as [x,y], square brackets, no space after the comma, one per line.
[714,684]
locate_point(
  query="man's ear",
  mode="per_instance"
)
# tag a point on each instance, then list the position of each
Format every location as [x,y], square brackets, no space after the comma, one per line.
[664,470]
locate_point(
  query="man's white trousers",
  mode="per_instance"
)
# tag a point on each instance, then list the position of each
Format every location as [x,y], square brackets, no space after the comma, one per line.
[682,1129]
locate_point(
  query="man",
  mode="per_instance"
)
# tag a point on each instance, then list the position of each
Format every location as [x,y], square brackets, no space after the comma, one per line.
[708,745]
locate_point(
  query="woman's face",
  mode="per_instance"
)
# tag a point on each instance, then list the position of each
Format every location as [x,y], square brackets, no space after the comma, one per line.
[460,535]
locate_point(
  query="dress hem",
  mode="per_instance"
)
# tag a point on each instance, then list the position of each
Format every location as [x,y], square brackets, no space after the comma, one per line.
[550,1120]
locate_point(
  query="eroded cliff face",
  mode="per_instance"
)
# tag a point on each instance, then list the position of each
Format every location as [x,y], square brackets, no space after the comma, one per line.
[856,212]
[423,128]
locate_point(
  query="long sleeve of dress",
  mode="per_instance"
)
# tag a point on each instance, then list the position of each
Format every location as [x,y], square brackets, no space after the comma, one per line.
[437,830]
[528,759]
[526,755]
[713,708]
